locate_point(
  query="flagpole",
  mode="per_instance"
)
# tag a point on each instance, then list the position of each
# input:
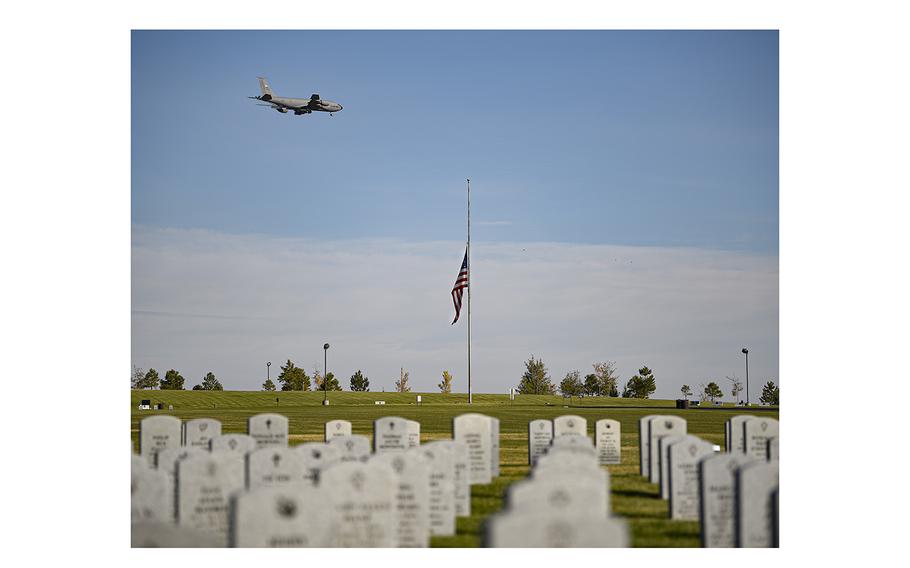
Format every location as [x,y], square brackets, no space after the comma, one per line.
[470,278]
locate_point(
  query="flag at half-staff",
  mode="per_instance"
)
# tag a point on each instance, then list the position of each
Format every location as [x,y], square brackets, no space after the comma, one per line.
[460,284]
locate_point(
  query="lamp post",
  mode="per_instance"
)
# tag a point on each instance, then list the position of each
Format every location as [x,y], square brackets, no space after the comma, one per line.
[325,376]
[268,376]
[746,353]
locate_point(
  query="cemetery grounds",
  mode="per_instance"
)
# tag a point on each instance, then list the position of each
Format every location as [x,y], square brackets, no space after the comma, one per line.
[633,497]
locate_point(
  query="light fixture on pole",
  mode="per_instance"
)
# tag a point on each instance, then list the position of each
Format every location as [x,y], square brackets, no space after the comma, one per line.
[268,376]
[746,353]
[325,375]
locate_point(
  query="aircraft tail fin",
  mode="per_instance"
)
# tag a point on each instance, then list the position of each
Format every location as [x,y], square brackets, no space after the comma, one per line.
[264,86]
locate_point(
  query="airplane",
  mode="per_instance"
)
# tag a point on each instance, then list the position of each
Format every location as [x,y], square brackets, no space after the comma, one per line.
[299,106]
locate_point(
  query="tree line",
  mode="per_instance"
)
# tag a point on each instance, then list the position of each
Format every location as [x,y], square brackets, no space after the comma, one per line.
[173,380]
[770,393]
[603,381]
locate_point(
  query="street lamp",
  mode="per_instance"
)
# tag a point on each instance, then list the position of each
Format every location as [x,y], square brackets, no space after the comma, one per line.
[268,377]
[746,353]
[325,376]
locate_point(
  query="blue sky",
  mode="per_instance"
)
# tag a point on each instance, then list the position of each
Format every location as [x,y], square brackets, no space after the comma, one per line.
[641,138]
[624,197]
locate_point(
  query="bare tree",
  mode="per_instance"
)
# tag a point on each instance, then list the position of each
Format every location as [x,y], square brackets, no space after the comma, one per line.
[735,388]
[401,385]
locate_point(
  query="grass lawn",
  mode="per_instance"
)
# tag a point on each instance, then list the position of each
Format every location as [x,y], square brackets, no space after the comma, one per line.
[633,497]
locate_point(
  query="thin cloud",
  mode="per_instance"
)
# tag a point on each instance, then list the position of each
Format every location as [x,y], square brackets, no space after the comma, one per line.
[232,302]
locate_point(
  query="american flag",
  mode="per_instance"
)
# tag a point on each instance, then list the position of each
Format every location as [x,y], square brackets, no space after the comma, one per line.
[460,284]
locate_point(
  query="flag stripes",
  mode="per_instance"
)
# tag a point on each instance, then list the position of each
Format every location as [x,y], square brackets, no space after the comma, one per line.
[460,284]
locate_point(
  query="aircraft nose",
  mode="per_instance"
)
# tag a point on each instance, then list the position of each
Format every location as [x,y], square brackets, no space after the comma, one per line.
[340,107]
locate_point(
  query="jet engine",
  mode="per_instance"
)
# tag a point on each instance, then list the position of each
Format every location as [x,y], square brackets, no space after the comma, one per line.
[281,110]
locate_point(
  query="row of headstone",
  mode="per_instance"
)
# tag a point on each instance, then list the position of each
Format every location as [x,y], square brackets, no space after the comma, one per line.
[751,436]
[158,433]
[607,436]
[566,500]
[338,493]
[731,494]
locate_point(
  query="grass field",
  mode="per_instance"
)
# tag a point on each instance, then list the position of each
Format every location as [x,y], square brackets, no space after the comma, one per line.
[633,497]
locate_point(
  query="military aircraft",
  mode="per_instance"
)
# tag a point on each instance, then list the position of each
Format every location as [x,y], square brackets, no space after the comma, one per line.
[298,106]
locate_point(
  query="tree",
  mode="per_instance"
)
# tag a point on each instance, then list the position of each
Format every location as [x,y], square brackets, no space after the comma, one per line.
[268,385]
[360,383]
[535,379]
[149,380]
[712,391]
[331,383]
[136,377]
[401,385]
[445,386]
[592,386]
[571,385]
[606,376]
[736,387]
[770,394]
[641,385]
[198,387]
[172,381]
[686,391]
[210,383]
[293,378]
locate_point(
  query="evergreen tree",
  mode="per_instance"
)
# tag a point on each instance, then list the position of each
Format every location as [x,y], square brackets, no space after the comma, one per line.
[571,384]
[210,383]
[172,381]
[712,391]
[592,385]
[293,378]
[641,385]
[535,379]
[332,383]
[401,385]
[198,387]
[445,386]
[268,385]
[150,380]
[360,383]
[770,394]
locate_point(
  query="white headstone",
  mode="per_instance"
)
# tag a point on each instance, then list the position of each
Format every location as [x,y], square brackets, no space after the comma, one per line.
[157,534]
[717,511]
[540,434]
[560,493]
[572,443]
[755,483]
[608,441]
[234,443]
[151,497]
[548,529]
[166,461]
[475,431]
[205,484]
[413,433]
[362,495]
[352,448]
[317,457]
[198,432]
[459,453]
[390,434]
[661,426]
[774,449]
[412,496]
[569,424]
[494,436]
[663,463]
[287,516]
[757,432]
[269,430]
[158,433]
[441,462]
[737,434]
[337,429]
[644,451]
[274,466]
[683,473]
